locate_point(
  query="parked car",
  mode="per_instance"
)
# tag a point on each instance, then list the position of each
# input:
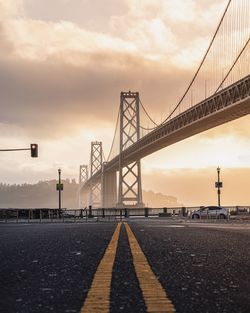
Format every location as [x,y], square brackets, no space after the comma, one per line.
[211,212]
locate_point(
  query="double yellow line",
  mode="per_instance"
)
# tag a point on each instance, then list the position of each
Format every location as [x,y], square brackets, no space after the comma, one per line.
[98,298]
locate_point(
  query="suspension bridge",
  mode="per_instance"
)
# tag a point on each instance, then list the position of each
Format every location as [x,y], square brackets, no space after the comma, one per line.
[219,92]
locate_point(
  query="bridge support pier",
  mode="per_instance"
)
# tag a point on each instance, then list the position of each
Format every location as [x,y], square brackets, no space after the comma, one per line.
[109,189]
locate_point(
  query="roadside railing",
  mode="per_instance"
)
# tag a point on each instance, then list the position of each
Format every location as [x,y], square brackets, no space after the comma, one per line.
[53,215]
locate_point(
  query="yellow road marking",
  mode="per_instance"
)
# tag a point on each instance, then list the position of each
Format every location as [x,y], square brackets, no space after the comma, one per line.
[154,295]
[98,298]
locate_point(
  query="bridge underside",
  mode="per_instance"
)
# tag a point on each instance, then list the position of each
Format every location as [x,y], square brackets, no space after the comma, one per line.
[195,128]
[225,106]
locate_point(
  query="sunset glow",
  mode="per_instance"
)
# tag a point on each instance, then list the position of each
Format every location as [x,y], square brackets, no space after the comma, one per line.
[63,68]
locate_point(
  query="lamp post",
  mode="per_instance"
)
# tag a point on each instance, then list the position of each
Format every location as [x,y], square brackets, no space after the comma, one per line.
[218,185]
[59,190]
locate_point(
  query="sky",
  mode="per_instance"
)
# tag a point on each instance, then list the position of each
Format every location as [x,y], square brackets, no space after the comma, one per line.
[63,64]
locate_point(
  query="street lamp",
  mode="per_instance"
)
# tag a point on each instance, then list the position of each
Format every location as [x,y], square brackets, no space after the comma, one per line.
[218,185]
[59,190]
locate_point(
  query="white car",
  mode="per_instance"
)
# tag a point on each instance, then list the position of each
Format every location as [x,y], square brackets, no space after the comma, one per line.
[210,212]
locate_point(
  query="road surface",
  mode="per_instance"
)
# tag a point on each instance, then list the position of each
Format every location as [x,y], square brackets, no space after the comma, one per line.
[147,265]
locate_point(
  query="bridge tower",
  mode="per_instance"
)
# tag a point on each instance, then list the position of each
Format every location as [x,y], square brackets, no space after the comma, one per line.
[95,165]
[83,177]
[130,190]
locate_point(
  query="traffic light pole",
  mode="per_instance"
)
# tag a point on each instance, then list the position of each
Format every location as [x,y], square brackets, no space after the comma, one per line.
[14,149]
[33,149]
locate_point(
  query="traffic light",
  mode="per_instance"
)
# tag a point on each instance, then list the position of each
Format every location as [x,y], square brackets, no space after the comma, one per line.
[34,150]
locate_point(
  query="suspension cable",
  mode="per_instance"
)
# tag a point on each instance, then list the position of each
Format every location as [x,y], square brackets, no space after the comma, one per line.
[149,128]
[103,155]
[231,68]
[148,114]
[113,141]
[202,62]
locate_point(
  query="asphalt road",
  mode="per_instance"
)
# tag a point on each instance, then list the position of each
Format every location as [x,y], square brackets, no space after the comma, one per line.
[50,267]
[203,268]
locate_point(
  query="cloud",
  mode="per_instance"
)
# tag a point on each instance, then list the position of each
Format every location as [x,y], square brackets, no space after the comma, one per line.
[11,9]
[58,76]
[47,96]
[166,29]
[152,29]
[40,40]
[6,47]
[93,15]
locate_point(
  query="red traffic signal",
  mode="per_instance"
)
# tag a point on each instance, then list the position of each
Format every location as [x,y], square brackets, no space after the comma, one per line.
[34,150]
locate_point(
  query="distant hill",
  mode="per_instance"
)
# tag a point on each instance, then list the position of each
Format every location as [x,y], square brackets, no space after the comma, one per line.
[40,195]
[44,195]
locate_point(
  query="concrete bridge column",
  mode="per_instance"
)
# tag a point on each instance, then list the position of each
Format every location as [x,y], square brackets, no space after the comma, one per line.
[84,195]
[109,189]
